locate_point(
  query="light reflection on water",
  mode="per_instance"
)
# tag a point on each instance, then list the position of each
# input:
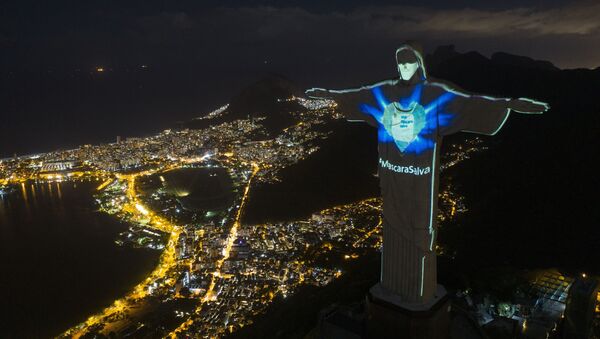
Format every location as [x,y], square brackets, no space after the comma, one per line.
[58,259]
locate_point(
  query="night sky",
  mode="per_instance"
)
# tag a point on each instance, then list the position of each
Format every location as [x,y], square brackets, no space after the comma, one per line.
[218,47]
[67,34]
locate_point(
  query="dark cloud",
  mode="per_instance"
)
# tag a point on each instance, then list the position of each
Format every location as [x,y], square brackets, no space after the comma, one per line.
[573,30]
[287,38]
[167,21]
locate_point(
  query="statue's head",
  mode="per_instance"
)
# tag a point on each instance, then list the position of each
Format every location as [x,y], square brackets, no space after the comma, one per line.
[409,61]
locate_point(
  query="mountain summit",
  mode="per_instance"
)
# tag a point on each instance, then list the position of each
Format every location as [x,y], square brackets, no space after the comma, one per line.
[265,98]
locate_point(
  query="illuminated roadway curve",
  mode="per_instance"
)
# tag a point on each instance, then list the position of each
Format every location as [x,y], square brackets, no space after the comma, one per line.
[167,259]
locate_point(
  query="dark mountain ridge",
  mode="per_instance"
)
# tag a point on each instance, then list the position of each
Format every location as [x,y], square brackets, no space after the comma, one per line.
[522,61]
[264,98]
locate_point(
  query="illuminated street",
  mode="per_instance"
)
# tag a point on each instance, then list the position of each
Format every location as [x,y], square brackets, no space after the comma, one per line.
[167,260]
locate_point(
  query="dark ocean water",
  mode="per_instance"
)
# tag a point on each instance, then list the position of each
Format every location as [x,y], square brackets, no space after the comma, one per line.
[42,111]
[58,260]
[48,110]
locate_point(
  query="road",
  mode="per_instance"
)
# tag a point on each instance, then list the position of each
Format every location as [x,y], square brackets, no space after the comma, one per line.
[210,294]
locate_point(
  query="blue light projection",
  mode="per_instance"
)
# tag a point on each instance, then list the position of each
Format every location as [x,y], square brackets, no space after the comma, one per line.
[407,123]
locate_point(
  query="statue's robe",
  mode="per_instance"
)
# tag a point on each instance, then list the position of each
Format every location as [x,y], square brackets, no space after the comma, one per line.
[412,117]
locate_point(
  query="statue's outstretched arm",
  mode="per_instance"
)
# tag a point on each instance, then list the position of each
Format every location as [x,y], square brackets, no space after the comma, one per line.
[350,100]
[322,93]
[528,106]
[318,93]
[520,105]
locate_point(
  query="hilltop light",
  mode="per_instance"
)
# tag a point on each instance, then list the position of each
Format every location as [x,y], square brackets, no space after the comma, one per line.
[99,69]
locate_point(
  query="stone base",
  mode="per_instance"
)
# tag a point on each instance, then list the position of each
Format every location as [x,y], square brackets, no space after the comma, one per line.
[389,317]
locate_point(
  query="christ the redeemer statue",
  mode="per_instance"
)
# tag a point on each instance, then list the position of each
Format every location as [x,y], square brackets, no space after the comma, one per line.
[412,114]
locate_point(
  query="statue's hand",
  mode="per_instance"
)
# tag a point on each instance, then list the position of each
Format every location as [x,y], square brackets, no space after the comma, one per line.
[528,106]
[318,93]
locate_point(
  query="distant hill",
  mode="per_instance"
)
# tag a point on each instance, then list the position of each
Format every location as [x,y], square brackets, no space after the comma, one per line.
[260,96]
[447,52]
[260,99]
[521,61]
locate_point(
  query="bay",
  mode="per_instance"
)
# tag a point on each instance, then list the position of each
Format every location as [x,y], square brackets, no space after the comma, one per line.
[58,260]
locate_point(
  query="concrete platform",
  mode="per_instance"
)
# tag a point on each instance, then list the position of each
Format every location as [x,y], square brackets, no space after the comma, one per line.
[389,317]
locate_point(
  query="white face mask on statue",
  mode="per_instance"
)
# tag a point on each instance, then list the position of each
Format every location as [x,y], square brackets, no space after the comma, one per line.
[407,70]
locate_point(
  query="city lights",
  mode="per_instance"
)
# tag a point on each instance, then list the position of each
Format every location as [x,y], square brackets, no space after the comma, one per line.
[215,261]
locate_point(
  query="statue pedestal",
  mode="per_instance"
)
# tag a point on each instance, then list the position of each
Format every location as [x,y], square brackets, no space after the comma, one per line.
[389,317]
